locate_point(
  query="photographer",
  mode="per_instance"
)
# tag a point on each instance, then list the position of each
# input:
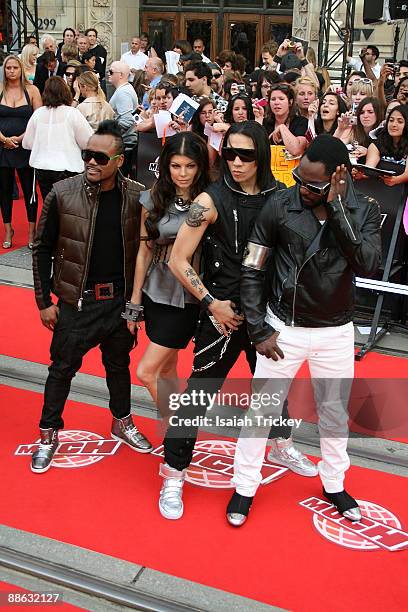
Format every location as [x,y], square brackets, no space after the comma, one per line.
[367,62]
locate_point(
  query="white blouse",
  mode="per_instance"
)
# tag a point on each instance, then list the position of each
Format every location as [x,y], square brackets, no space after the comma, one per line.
[56,137]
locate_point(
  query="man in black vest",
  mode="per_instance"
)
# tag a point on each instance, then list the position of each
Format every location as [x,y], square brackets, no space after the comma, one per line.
[222,218]
[89,234]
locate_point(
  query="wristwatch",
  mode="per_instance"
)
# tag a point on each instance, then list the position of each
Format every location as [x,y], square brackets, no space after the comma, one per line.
[207,300]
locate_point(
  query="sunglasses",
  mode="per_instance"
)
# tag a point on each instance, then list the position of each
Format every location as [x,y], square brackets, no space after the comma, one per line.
[280,87]
[113,72]
[320,189]
[217,75]
[245,155]
[101,158]
[369,81]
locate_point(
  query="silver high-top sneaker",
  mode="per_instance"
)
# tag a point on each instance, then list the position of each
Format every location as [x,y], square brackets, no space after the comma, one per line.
[41,459]
[283,452]
[126,431]
[171,501]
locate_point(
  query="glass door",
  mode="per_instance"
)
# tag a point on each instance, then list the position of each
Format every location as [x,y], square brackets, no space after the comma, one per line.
[199,25]
[242,34]
[162,30]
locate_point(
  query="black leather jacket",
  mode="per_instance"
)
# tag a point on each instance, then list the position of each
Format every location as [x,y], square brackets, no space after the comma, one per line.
[309,273]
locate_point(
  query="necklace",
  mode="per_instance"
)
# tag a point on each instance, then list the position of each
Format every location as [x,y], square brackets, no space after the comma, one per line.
[182,205]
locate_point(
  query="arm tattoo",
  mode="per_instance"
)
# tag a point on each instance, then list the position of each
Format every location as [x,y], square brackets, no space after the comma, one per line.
[194,280]
[195,216]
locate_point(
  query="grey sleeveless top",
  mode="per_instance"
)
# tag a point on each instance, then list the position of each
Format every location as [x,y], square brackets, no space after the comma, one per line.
[160,284]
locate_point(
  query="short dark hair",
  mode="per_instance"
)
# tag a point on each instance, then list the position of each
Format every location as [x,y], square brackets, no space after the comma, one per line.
[198,39]
[91,30]
[200,70]
[68,30]
[47,57]
[375,50]
[183,45]
[109,127]
[87,55]
[329,151]
[257,133]
[56,93]
[403,63]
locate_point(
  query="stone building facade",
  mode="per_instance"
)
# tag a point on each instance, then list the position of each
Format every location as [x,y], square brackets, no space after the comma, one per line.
[118,20]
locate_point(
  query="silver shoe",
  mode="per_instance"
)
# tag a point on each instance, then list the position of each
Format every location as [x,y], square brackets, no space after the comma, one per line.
[235,519]
[238,509]
[171,500]
[126,431]
[283,452]
[42,458]
[354,514]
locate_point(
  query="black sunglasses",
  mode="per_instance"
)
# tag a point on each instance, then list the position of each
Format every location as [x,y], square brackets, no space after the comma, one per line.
[217,75]
[245,155]
[101,158]
[320,189]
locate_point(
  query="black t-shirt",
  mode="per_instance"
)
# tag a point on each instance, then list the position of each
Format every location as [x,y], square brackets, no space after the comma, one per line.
[298,126]
[106,264]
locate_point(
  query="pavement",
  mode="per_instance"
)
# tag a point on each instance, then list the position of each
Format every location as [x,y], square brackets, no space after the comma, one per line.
[93,581]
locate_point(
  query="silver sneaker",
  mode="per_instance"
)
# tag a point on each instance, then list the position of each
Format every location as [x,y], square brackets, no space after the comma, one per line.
[283,452]
[42,458]
[171,500]
[126,431]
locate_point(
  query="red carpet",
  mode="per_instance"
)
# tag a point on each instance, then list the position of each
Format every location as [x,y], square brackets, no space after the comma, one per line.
[11,596]
[30,340]
[279,557]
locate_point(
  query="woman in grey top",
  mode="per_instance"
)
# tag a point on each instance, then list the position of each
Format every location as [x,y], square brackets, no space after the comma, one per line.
[170,312]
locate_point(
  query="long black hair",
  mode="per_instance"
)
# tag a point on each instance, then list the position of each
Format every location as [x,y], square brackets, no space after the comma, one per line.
[163,191]
[341,107]
[363,138]
[385,143]
[262,146]
[228,116]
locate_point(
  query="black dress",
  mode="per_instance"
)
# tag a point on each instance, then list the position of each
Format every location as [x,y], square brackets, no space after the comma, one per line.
[13,122]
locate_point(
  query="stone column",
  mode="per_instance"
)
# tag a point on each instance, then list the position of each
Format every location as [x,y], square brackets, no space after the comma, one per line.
[306,21]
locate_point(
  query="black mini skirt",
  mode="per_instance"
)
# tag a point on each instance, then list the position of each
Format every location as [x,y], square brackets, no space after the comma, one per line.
[170,326]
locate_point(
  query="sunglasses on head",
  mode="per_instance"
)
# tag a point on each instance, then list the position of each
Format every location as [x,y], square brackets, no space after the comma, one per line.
[320,189]
[280,87]
[100,158]
[245,155]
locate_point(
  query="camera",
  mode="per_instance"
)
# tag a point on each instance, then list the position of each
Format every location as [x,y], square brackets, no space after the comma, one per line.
[241,88]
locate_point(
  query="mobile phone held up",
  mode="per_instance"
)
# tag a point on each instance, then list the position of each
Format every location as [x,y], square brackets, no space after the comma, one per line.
[261,103]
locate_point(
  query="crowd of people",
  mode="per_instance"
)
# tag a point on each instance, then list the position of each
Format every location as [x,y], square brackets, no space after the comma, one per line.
[217,250]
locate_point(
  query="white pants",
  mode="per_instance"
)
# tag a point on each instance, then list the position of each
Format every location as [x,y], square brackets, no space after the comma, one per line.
[330,354]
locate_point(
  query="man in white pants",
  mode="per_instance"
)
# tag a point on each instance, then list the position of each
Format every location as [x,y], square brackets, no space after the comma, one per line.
[309,240]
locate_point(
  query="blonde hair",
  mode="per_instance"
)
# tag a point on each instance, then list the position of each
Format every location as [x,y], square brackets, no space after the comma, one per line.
[362,87]
[90,80]
[24,82]
[305,81]
[311,56]
[26,52]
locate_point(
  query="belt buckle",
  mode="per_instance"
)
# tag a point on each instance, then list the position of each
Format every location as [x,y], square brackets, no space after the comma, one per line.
[100,287]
